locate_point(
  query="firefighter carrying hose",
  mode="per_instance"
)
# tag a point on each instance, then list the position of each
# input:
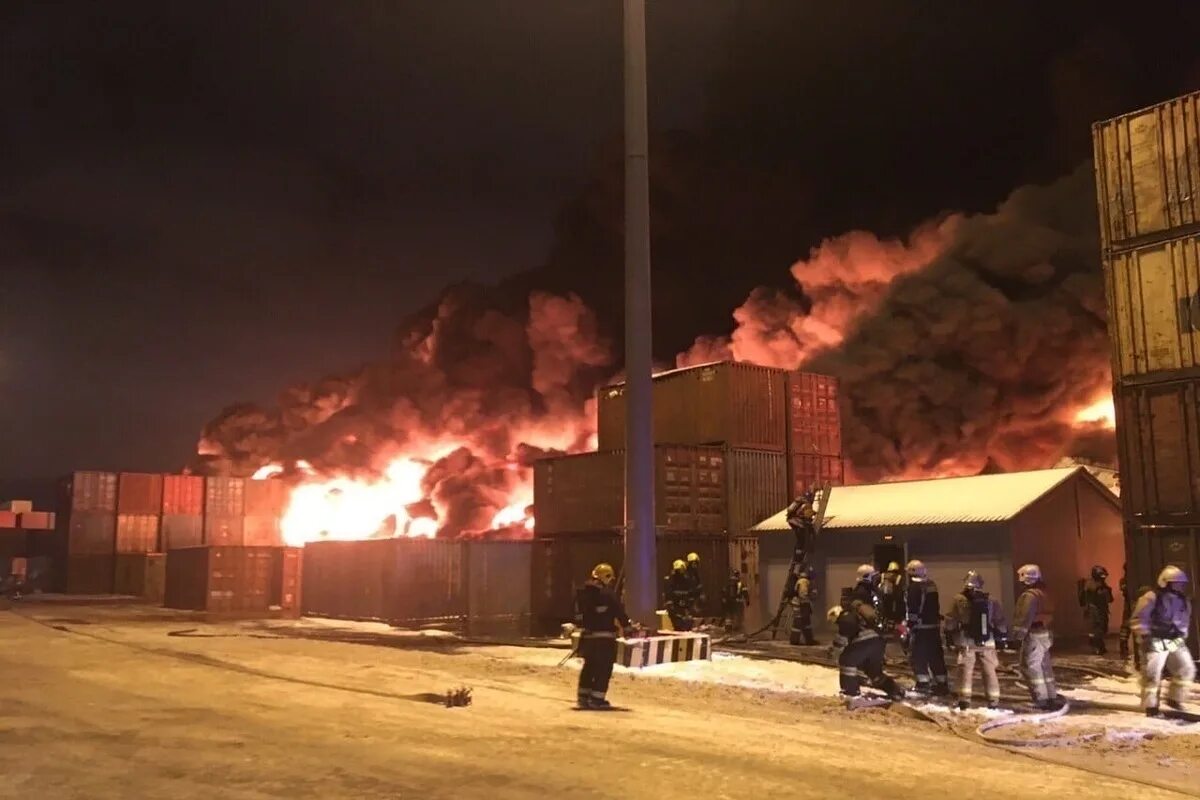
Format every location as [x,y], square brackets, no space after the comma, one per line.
[1032,628]
[601,616]
[678,596]
[1160,622]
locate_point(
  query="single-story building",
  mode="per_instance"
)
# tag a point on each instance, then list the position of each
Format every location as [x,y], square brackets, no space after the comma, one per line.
[1062,519]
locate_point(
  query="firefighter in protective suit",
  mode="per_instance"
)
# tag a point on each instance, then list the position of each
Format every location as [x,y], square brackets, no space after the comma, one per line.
[601,617]
[734,600]
[677,594]
[976,630]
[1095,596]
[1160,622]
[891,595]
[866,588]
[1033,628]
[802,597]
[698,599]
[861,650]
[924,617]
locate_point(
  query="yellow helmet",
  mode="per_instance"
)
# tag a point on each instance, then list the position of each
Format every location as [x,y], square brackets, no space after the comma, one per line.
[833,613]
[693,558]
[893,566]
[678,565]
[604,573]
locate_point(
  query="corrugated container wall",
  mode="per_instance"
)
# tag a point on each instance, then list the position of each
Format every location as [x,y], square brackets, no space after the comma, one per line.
[756,486]
[221,579]
[224,530]
[265,498]
[425,581]
[1152,548]
[36,520]
[8,519]
[91,533]
[139,493]
[1159,449]
[141,575]
[1154,309]
[814,418]
[740,405]
[346,580]
[812,472]
[137,533]
[92,491]
[183,494]
[182,530]
[91,574]
[224,496]
[1148,171]
[288,577]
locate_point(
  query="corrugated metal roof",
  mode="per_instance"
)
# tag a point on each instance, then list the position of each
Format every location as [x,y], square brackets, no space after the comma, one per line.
[942,501]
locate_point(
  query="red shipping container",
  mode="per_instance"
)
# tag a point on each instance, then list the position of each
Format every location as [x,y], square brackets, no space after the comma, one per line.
[183,494]
[139,493]
[814,420]
[91,533]
[266,498]
[90,574]
[8,519]
[811,472]
[224,496]
[92,491]
[137,533]
[181,530]
[261,532]
[36,520]
[224,531]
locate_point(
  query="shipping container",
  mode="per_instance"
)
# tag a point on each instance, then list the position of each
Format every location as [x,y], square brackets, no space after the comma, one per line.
[8,520]
[1158,441]
[13,544]
[265,498]
[92,491]
[91,533]
[425,581]
[181,530]
[90,574]
[1154,309]
[712,489]
[137,533]
[224,496]
[740,405]
[287,577]
[17,506]
[224,530]
[498,583]
[36,520]
[1147,166]
[141,575]
[812,472]
[347,580]
[814,418]
[232,580]
[261,531]
[183,495]
[1150,548]
[139,493]
[744,557]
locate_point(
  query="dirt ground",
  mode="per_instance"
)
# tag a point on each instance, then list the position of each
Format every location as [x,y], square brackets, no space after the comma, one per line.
[104,702]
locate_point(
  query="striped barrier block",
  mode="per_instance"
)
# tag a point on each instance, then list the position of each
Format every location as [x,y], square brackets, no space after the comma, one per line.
[649,651]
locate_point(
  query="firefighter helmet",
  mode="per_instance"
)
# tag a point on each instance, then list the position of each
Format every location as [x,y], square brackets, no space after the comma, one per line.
[866,572]
[1099,573]
[893,566]
[1171,574]
[973,580]
[604,573]
[1029,574]
[916,570]
[693,558]
[679,566]
[833,613]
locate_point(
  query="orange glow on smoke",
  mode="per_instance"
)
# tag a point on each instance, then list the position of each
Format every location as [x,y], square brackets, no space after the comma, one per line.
[1102,412]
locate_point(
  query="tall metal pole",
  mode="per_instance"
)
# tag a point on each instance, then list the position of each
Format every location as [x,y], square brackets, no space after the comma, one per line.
[640,556]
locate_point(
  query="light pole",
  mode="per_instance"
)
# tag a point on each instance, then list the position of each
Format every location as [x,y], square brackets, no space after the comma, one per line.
[640,545]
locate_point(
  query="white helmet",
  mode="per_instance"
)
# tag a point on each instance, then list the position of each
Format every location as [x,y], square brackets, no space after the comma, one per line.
[833,613]
[916,570]
[973,580]
[1029,574]
[866,572]
[1171,574]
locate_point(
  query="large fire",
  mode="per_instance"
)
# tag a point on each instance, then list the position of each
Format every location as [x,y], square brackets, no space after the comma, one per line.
[1102,412]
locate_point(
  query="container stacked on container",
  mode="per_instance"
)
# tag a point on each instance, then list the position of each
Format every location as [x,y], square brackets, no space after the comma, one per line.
[734,443]
[138,564]
[182,511]
[1148,190]
[88,526]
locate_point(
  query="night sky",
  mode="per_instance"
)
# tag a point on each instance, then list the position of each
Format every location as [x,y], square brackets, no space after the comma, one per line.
[203,202]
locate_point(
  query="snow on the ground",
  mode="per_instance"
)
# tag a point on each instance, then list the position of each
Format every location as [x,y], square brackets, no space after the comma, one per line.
[379,628]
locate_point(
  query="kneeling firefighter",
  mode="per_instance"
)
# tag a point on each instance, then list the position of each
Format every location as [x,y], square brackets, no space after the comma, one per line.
[601,616]
[678,595]
[861,649]
[1160,622]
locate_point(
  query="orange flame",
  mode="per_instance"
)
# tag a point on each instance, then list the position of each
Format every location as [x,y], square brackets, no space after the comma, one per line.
[1102,412]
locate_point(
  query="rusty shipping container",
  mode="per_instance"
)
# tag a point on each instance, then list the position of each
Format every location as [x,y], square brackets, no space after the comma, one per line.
[1150,548]
[141,575]
[91,491]
[139,493]
[90,574]
[183,495]
[710,489]
[91,533]
[814,418]
[265,498]
[811,472]
[181,530]
[740,405]
[1147,166]
[137,533]
[224,530]
[224,497]
[1158,440]
[234,580]
[36,520]
[1154,310]
[261,531]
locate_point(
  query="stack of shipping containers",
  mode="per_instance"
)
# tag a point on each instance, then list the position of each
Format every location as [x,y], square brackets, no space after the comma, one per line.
[1148,190]
[27,543]
[88,525]
[734,444]
[139,566]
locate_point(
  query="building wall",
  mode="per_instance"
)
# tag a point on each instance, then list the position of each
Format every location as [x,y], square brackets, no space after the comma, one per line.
[1101,541]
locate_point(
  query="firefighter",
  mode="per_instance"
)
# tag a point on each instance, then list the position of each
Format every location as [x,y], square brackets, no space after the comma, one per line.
[677,596]
[1126,612]
[1033,629]
[698,598]
[802,597]
[861,649]
[977,630]
[891,595]
[601,617]
[866,587]
[1160,621]
[923,616]
[1095,596]
[734,601]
